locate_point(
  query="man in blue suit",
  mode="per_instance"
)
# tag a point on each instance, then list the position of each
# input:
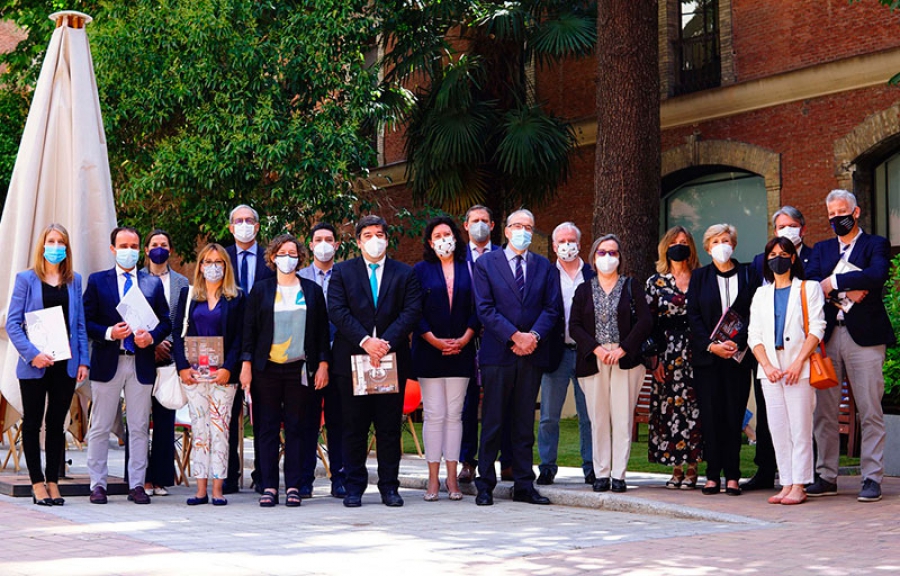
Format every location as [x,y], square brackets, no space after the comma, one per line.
[855,339]
[375,302]
[121,359]
[517,299]
[788,222]
[572,272]
[323,244]
[248,260]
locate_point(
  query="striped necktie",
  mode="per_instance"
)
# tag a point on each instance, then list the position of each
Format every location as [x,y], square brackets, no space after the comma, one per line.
[520,275]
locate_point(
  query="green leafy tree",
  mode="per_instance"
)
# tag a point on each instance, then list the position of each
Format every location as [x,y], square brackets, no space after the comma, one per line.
[474,133]
[13,109]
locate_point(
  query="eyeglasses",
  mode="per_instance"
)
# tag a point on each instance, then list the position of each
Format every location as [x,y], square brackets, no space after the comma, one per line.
[250,220]
[219,262]
[613,253]
[517,226]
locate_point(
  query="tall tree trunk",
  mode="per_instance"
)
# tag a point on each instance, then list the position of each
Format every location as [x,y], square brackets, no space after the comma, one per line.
[627,165]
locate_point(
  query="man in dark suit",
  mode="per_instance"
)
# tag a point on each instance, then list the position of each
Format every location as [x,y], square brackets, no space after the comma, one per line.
[572,272]
[517,300]
[248,259]
[855,339]
[374,302]
[479,224]
[789,223]
[122,358]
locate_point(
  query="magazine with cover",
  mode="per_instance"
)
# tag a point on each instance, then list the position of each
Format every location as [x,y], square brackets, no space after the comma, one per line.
[841,300]
[730,324]
[368,380]
[46,329]
[205,354]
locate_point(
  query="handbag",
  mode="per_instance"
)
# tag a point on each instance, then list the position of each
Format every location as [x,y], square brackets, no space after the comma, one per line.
[822,374]
[650,349]
[167,389]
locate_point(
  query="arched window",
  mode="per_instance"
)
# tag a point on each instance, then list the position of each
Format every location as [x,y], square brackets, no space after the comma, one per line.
[733,197]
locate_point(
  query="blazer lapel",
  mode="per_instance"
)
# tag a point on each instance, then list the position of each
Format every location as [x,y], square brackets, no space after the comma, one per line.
[112,283]
[857,256]
[507,275]
[363,269]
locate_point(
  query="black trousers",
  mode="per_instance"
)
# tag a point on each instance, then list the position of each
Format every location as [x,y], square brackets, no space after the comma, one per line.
[161,462]
[328,399]
[722,392]
[385,413]
[279,398]
[235,437]
[510,393]
[765,450]
[52,392]
[468,452]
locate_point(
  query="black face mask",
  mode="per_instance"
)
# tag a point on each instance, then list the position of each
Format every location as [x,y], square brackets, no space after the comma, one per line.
[779,265]
[678,252]
[842,225]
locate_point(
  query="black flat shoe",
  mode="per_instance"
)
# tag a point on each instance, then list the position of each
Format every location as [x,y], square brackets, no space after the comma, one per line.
[710,490]
[732,491]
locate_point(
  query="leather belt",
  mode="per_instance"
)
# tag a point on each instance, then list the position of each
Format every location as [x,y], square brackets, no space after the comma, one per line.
[840,323]
[571,346]
[123,352]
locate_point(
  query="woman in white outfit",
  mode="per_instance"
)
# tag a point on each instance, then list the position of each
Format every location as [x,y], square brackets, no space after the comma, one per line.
[782,346]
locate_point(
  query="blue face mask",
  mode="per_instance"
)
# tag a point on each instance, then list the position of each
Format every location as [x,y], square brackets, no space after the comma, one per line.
[127,257]
[54,253]
[521,239]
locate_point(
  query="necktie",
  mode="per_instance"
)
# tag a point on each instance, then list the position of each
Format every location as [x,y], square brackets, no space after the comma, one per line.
[373,281]
[520,275]
[245,282]
[844,249]
[128,344]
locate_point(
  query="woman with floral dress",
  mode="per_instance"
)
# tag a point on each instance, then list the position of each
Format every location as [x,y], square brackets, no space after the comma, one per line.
[674,438]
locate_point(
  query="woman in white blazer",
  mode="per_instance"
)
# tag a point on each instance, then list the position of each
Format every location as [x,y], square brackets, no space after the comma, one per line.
[778,340]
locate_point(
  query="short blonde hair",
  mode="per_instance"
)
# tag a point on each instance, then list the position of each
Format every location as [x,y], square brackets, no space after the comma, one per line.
[663,266]
[718,229]
[229,288]
[66,273]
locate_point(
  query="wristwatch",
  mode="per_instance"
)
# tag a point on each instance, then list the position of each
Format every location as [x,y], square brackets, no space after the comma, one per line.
[536,335]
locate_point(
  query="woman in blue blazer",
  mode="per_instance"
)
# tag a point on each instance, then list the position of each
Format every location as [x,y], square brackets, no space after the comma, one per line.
[443,351]
[45,384]
[216,308]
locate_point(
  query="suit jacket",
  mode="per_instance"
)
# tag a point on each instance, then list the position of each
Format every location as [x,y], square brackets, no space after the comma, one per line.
[28,296]
[759,261]
[704,308]
[352,310]
[231,329]
[762,322]
[262,271]
[100,301]
[259,325]
[491,248]
[503,311]
[582,326]
[444,321]
[558,336]
[176,283]
[867,321]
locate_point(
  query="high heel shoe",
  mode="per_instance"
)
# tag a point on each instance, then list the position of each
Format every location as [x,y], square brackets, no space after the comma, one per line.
[57,500]
[43,501]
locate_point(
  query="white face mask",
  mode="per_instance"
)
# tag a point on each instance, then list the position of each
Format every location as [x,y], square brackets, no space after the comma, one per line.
[479,231]
[445,246]
[375,247]
[792,233]
[286,264]
[323,251]
[606,264]
[244,232]
[214,272]
[721,253]
[567,251]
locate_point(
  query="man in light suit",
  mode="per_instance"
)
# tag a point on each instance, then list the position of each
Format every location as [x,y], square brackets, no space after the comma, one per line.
[374,302]
[855,341]
[517,299]
[323,244]
[788,222]
[248,260]
[121,360]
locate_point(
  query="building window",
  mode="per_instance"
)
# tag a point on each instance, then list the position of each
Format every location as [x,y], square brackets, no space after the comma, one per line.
[696,51]
[722,197]
[887,199]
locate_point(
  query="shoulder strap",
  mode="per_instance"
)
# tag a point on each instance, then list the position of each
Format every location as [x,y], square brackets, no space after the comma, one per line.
[805,307]
[187,311]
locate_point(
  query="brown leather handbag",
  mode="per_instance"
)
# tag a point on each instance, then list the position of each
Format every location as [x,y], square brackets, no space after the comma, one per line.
[822,374]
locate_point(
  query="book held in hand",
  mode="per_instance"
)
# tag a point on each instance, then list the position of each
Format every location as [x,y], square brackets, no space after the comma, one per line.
[840,300]
[368,380]
[205,354]
[730,324]
[46,329]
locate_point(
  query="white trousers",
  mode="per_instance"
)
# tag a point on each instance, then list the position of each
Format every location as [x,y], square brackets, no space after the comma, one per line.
[442,404]
[790,413]
[210,408]
[611,395]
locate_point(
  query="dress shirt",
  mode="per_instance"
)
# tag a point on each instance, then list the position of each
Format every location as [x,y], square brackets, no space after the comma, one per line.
[164,278]
[323,278]
[379,272]
[511,258]
[845,255]
[249,253]
[473,248]
[727,293]
[567,288]
[120,282]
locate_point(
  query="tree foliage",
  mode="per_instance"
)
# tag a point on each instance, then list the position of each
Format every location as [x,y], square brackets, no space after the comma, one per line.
[474,133]
[212,103]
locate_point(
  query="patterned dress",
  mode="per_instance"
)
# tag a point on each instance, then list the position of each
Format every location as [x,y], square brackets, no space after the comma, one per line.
[675,435]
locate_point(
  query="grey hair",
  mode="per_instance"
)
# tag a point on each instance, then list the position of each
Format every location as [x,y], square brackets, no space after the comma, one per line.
[520,211]
[567,226]
[238,207]
[844,195]
[791,213]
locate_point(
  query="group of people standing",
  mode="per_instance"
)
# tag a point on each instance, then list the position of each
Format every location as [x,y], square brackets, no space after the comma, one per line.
[474,323]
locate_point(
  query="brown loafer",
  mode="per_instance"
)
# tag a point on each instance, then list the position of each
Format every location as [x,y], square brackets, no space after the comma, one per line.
[467,474]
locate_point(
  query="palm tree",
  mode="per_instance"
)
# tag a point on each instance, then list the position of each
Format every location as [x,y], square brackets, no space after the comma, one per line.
[473,132]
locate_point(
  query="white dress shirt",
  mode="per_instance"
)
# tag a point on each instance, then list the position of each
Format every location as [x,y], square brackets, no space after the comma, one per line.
[120,282]
[567,287]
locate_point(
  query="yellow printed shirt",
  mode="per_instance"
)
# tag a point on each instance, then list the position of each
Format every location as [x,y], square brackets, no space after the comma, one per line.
[289,331]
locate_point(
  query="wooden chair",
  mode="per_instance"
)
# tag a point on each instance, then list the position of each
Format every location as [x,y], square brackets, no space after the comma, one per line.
[183,446]
[642,408]
[848,420]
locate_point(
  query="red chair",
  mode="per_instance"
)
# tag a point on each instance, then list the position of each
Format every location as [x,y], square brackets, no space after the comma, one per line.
[412,399]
